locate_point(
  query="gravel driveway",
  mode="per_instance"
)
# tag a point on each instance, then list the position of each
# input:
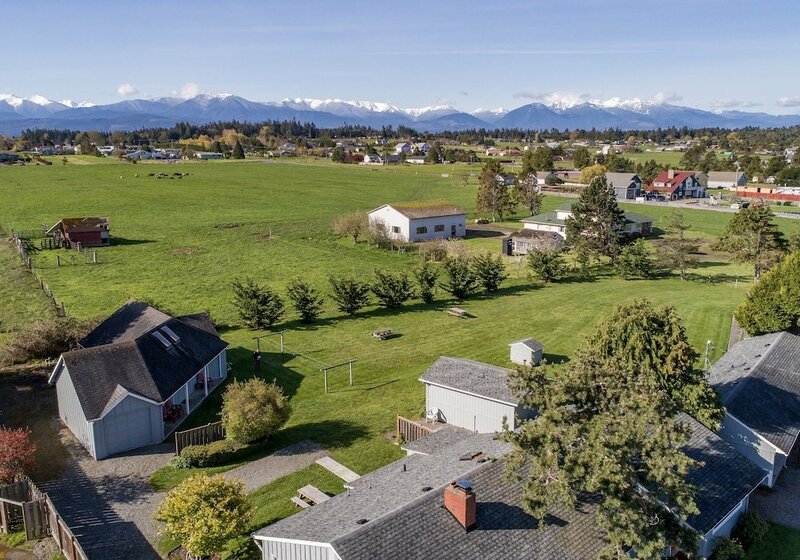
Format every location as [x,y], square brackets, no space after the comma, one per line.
[109,504]
[272,467]
[780,504]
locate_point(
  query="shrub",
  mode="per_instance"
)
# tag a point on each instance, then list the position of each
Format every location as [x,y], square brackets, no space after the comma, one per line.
[426,275]
[258,306]
[253,410]
[378,235]
[392,290]
[751,529]
[546,264]
[461,281]
[306,300]
[46,339]
[355,225]
[634,260]
[205,512]
[490,270]
[350,294]
[211,454]
[728,549]
[17,453]
[433,250]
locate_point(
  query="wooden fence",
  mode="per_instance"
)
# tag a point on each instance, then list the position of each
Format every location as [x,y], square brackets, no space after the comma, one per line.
[410,431]
[21,502]
[199,436]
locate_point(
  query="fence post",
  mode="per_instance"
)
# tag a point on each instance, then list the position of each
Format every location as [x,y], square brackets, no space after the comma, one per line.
[94,257]
[58,260]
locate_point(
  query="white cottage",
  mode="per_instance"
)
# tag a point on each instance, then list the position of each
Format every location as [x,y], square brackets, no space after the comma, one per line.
[635,224]
[136,377]
[758,381]
[420,221]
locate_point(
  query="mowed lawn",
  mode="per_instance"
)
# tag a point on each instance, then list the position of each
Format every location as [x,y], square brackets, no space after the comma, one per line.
[180,243]
[21,301]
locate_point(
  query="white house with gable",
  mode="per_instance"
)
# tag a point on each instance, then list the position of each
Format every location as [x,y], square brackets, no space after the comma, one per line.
[420,221]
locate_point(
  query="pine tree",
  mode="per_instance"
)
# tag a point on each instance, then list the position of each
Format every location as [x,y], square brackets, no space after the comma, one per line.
[493,195]
[581,157]
[546,264]
[634,260]
[676,251]
[350,294]
[773,304]
[238,151]
[489,270]
[306,300]
[528,193]
[258,306]
[392,289]
[752,237]
[595,224]
[461,281]
[426,274]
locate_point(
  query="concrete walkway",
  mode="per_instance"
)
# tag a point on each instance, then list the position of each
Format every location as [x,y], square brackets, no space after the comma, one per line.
[281,463]
[338,469]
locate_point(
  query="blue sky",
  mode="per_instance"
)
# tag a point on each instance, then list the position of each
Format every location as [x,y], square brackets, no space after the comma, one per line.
[729,54]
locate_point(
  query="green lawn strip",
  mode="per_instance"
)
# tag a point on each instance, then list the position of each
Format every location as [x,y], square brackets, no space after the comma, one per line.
[781,543]
[21,302]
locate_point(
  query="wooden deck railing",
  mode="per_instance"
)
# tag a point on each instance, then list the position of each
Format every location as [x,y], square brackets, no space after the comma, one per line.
[410,431]
[199,436]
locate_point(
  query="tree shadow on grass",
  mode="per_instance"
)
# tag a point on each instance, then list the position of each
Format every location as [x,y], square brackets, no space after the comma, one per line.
[125,241]
[555,359]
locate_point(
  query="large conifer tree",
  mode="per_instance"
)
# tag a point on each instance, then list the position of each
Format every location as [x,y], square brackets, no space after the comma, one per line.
[596,220]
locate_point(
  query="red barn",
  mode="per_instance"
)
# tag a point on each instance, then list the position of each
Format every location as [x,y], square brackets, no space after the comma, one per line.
[89,232]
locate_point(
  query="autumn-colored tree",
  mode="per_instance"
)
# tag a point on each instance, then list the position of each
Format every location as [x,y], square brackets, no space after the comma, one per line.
[17,453]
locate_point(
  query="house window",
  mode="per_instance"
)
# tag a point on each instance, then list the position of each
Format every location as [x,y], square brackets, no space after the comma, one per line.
[395,229]
[438,227]
[422,230]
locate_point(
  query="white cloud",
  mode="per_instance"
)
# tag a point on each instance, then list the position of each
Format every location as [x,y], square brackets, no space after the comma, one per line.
[735,104]
[126,90]
[667,97]
[788,102]
[186,91]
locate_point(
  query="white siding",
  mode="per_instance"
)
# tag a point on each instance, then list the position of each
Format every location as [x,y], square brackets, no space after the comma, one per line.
[723,529]
[753,446]
[407,229]
[469,411]
[522,354]
[545,227]
[70,411]
[289,550]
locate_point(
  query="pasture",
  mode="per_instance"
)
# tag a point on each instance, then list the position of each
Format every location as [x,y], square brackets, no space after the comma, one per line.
[180,242]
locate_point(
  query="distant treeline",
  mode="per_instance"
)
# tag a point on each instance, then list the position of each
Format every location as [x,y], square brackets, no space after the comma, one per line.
[743,139]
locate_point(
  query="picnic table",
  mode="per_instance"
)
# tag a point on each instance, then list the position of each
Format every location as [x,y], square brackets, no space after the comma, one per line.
[458,312]
[313,494]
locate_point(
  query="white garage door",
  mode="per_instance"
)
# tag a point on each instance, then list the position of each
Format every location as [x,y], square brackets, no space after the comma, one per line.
[127,429]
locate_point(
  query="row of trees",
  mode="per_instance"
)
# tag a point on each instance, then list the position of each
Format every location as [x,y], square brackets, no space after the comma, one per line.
[260,307]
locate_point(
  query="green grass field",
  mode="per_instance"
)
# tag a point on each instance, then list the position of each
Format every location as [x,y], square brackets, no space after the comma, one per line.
[180,243]
[21,302]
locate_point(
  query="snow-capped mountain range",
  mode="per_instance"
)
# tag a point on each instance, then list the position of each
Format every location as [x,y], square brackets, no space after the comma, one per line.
[18,113]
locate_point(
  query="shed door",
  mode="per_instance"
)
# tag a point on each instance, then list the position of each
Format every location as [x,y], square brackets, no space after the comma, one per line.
[127,429]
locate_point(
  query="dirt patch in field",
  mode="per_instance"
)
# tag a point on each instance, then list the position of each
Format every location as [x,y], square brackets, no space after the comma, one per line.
[29,402]
[228,226]
[180,251]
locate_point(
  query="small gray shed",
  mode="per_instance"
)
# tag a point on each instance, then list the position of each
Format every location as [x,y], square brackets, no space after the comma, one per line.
[527,351]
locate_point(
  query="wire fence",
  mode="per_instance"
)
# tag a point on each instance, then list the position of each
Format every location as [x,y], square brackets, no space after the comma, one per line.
[24,247]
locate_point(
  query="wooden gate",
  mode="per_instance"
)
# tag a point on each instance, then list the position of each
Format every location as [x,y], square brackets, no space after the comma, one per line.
[408,430]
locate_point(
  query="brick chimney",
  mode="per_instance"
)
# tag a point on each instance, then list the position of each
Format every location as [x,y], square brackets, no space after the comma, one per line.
[671,174]
[459,499]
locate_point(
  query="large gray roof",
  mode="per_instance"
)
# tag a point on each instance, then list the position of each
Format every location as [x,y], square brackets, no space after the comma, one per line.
[127,323]
[383,491]
[723,479]
[758,381]
[471,377]
[425,530]
[142,365]
[444,436]
[622,179]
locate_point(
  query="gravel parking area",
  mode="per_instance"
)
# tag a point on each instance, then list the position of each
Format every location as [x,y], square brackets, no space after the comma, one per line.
[281,463]
[109,504]
[780,504]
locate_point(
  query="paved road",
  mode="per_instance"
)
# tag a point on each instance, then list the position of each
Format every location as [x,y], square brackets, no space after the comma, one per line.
[780,504]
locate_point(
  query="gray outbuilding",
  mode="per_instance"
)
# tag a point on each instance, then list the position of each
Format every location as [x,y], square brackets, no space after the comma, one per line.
[136,377]
[526,352]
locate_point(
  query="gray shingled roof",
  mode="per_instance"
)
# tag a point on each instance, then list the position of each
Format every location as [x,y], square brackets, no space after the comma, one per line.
[141,365]
[723,480]
[471,377]
[384,491]
[445,436]
[425,530]
[531,343]
[127,323]
[621,179]
[758,381]
[432,209]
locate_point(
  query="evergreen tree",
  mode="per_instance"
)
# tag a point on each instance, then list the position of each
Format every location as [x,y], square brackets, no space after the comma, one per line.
[676,251]
[634,260]
[581,157]
[461,281]
[773,304]
[752,237]
[490,270]
[338,154]
[238,151]
[493,195]
[258,306]
[426,274]
[350,294]
[306,300]
[547,264]
[540,159]
[596,221]
[392,290]
[528,193]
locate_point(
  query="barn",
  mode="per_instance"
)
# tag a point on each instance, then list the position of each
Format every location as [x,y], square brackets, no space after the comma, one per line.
[88,232]
[471,395]
[136,377]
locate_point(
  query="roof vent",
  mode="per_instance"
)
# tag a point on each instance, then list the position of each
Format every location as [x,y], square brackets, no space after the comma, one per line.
[758,355]
[170,333]
[469,456]
[361,521]
[426,488]
[160,337]
[464,484]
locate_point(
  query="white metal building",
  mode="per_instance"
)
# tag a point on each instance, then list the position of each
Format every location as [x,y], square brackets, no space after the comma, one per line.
[420,221]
